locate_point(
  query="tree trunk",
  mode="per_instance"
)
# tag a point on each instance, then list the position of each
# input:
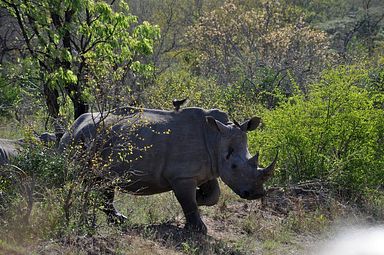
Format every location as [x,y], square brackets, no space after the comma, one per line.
[51,96]
[80,107]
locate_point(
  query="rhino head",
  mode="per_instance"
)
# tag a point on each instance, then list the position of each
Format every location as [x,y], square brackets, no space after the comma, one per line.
[237,168]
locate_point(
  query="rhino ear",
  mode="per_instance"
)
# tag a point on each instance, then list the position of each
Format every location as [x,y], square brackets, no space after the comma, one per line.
[217,125]
[250,124]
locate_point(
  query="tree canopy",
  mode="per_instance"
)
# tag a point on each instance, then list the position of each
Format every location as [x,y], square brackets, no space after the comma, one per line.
[71,44]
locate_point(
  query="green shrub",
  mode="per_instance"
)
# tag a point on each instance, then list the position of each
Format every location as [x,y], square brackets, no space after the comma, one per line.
[182,84]
[334,134]
[9,96]
[236,99]
[7,188]
[28,179]
[44,164]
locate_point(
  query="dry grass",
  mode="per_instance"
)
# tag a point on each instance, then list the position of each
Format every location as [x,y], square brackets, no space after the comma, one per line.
[285,222]
[10,129]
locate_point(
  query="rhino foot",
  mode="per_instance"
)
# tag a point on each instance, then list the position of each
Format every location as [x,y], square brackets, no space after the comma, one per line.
[202,229]
[116,218]
[195,224]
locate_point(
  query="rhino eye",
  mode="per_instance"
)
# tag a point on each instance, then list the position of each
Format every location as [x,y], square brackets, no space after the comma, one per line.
[230,151]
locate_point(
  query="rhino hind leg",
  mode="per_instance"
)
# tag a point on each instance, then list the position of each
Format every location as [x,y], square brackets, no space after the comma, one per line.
[208,193]
[113,215]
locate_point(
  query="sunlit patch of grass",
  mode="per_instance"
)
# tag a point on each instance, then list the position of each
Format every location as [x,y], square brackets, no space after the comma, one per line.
[264,227]
[142,210]
[189,248]
[270,245]
[306,222]
[316,221]
[10,129]
[141,246]
[246,244]
[266,231]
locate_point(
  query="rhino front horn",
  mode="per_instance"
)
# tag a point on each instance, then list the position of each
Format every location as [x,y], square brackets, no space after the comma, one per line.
[267,172]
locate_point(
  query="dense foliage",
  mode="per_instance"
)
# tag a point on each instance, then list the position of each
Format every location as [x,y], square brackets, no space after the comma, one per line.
[74,45]
[334,134]
[235,44]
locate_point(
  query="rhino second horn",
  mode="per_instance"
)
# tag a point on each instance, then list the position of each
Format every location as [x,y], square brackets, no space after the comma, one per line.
[267,172]
[254,161]
[236,123]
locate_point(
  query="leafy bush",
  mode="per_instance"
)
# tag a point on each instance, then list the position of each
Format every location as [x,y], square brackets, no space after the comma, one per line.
[333,135]
[45,195]
[182,84]
[238,100]
[9,96]
[237,42]
[42,163]
[26,187]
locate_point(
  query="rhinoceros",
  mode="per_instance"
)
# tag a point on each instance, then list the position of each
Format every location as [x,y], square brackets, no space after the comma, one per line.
[185,151]
[47,137]
[10,148]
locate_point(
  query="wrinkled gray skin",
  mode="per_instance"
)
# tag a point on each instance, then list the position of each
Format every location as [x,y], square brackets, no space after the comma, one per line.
[47,137]
[189,150]
[10,148]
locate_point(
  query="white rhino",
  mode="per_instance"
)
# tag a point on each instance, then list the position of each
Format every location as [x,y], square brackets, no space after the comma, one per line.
[185,151]
[10,148]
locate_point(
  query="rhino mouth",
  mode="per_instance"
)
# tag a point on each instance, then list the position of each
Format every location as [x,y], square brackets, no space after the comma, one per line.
[247,195]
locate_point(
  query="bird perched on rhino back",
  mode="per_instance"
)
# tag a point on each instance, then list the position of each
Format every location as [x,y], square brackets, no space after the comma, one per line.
[178,103]
[153,151]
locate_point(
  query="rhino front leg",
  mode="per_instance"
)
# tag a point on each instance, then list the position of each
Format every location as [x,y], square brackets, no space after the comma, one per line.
[185,192]
[208,193]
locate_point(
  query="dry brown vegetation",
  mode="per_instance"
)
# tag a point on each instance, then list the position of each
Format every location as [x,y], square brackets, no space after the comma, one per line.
[286,221]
